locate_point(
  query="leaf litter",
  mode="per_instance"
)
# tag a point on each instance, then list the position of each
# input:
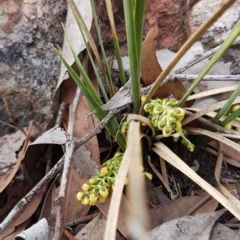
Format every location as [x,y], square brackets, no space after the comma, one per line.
[168,219]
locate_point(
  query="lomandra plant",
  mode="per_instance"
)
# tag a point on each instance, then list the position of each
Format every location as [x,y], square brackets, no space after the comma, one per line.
[163,116]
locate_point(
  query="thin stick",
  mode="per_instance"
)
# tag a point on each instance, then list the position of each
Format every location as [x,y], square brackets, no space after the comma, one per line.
[84,219]
[59,226]
[22,204]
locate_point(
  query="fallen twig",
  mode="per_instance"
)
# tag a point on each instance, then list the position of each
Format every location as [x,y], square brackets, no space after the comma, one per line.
[81,220]
[21,205]
[59,226]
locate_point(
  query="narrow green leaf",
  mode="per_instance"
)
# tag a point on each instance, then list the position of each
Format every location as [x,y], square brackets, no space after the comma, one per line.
[132,53]
[224,47]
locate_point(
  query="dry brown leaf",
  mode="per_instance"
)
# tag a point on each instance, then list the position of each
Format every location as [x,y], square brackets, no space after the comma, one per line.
[18,230]
[25,215]
[95,230]
[83,123]
[171,210]
[231,203]
[197,227]
[73,208]
[175,88]
[209,205]
[150,68]
[50,203]
[69,235]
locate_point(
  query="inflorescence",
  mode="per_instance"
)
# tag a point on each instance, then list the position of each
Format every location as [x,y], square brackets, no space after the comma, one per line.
[99,186]
[166,118]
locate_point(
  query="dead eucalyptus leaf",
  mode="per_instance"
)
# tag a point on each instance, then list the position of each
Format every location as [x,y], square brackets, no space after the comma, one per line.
[91,230]
[171,209]
[197,227]
[73,208]
[233,204]
[95,230]
[150,68]
[39,231]
[175,88]
[55,135]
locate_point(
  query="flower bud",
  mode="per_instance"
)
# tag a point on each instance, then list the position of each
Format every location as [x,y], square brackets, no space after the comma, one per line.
[101,199]
[85,201]
[143,97]
[178,126]
[93,198]
[79,196]
[148,107]
[235,108]
[148,175]
[104,171]
[172,102]
[228,126]
[190,147]
[178,112]
[161,124]
[167,131]
[158,110]
[103,192]
[85,187]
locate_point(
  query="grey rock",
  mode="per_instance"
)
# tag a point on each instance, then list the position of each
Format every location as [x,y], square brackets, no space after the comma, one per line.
[29,68]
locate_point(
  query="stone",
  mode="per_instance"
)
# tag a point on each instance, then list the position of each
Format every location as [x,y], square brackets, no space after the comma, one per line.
[29,68]
[216,34]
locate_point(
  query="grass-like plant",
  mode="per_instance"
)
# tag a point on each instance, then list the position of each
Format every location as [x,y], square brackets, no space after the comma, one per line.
[164,116]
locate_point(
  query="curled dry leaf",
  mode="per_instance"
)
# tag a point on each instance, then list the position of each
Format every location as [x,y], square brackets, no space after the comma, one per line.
[39,231]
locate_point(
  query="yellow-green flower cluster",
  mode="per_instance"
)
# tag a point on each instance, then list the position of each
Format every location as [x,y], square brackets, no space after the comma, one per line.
[98,187]
[166,117]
